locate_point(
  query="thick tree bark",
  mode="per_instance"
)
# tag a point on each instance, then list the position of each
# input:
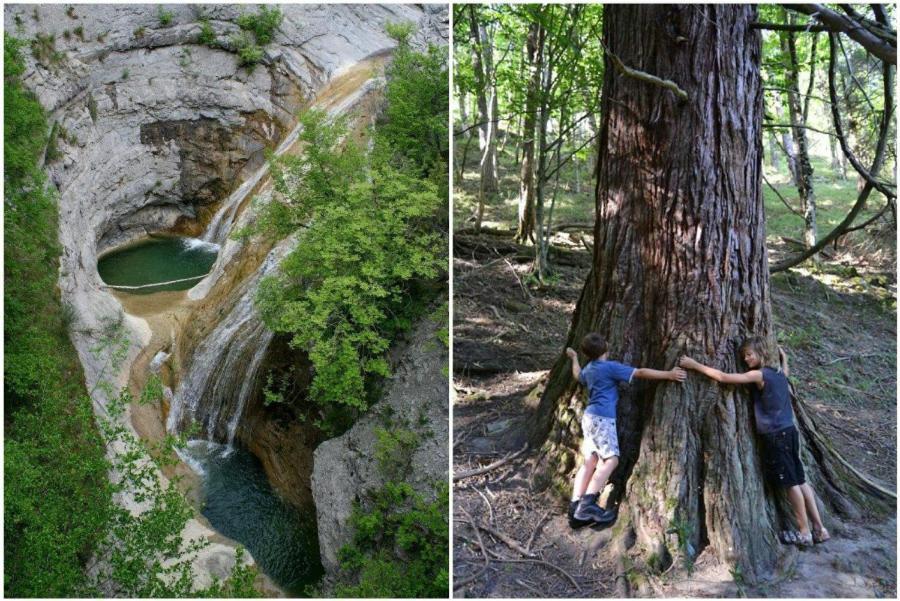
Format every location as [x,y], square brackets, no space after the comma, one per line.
[680,267]
[527,184]
[797,114]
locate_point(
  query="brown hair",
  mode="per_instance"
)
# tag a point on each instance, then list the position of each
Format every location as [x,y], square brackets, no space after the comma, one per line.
[593,345]
[757,345]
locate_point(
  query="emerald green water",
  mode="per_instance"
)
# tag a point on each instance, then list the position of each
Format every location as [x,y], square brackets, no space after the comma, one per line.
[160,259]
[239,502]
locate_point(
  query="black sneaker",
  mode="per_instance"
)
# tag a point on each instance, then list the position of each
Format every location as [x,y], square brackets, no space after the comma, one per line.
[574,523]
[588,510]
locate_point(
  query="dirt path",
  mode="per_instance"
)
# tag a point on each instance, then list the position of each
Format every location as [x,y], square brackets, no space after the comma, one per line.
[513,542]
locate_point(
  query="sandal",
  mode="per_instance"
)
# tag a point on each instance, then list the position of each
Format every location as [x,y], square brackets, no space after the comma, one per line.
[820,535]
[792,537]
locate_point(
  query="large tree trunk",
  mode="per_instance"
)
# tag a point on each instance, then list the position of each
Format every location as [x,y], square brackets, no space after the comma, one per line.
[804,170]
[534,53]
[680,267]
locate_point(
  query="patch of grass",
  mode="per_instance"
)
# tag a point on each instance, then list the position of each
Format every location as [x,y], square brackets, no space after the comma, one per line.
[139,32]
[207,35]
[798,337]
[79,32]
[43,48]
[165,16]
[125,74]
[92,106]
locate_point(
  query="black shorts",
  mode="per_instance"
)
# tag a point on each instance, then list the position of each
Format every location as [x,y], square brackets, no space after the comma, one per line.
[781,458]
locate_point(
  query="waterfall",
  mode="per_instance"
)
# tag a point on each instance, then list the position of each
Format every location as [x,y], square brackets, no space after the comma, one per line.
[225,366]
[223,372]
[220,225]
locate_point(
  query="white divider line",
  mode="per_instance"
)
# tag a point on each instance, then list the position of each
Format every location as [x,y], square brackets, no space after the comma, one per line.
[156,284]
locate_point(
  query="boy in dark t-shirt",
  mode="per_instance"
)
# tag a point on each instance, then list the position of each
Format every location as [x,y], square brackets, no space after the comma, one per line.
[780,446]
[598,424]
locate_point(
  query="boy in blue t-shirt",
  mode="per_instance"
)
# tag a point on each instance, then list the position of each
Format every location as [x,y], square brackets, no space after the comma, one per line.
[598,425]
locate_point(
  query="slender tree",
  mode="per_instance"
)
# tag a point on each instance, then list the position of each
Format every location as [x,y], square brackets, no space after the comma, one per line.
[680,267]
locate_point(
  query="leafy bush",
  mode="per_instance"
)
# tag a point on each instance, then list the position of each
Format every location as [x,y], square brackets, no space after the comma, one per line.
[207,35]
[262,24]
[400,545]
[348,289]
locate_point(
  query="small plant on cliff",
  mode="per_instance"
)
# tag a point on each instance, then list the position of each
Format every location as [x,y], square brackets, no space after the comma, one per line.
[165,16]
[43,48]
[249,53]
[262,24]
[207,35]
[79,32]
[400,539]
[139,32]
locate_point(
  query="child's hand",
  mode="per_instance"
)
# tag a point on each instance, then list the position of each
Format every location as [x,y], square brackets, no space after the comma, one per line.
[571,353]
[688,363]
[678,374]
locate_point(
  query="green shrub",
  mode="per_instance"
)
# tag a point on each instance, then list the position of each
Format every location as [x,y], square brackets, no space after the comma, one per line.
[79,32]
[139,32]
[394,450]
[400,546]
[262,24]
[207,35]
[92,106]
[165,16]
[356,280]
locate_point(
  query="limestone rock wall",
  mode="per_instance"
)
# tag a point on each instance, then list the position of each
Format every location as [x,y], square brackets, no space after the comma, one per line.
[345,467]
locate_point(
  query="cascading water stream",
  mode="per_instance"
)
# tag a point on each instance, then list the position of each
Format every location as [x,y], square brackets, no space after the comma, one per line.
[220,225]
[223,373]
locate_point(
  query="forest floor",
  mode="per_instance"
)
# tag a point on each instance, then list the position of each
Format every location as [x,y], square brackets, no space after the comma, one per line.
[836,321]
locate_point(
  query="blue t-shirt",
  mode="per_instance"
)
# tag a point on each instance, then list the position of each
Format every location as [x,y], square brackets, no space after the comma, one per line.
[601,379]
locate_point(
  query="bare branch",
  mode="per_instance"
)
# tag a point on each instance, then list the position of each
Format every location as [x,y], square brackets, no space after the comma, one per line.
[884,127]
[645,77]
[782,198]
[878,45]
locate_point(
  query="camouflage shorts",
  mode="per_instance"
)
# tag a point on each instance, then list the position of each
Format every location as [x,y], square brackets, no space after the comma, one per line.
[599,436]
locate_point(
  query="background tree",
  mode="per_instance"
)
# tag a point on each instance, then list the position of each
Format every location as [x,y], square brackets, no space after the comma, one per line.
[680,267]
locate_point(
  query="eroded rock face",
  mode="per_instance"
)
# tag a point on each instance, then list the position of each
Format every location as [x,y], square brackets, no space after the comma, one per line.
[345,467]
[155,125]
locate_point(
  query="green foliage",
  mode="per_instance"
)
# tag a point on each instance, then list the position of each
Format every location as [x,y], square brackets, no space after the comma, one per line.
[400,31]
[249,54]
[400,545]
[139,32]
[79,32]
[394,451]
[125,74]
[348,289]
[412,130]
[165,16]
[207,35]
[43,48]
[262,24]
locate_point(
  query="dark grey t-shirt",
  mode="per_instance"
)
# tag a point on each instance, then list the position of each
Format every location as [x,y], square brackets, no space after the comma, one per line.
[772,404]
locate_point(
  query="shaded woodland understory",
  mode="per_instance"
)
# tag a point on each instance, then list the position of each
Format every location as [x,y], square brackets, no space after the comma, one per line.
[713,183]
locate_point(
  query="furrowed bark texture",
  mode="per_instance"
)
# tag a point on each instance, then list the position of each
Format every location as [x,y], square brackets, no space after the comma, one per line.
[680,267]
